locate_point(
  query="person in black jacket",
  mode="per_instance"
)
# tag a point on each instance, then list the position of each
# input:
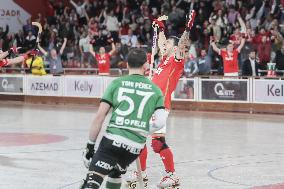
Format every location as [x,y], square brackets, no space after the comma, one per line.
[279,59]
[250,66]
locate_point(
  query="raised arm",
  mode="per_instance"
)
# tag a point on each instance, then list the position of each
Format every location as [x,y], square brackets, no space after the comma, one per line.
[183,46]
[91,49]
[112,48]
[4,54]
[214,47]
[241,45]
[63,46]
[162,42]
[160,27]
[242,24]
[73,3]
[42,50]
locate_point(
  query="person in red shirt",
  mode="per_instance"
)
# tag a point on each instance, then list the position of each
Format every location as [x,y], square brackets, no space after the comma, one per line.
[230,57]
[103,58]
[166,77]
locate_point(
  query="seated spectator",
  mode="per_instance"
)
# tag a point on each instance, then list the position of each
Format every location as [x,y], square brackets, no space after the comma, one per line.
[250,67]
[279,59]
[54,59]
[190,67]
[103,58]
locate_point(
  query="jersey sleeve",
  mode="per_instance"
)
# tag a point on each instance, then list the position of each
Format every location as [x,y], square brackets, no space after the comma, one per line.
[108,94]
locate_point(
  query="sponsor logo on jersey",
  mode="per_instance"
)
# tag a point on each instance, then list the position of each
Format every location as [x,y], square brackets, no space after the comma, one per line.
[221,91]
[136,123]
[126,147]
[104,165]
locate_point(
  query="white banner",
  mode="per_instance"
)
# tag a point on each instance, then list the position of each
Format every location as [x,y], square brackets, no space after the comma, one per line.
[268,91]
[44,86]
[10,13]
[107,81]
[12,84]
[84,86]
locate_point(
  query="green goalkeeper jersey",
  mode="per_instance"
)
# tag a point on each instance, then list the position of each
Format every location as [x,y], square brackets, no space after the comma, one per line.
[134,98]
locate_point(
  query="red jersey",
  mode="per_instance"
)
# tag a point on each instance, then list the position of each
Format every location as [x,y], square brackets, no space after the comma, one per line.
[167,75]
[103,62]
[230,63]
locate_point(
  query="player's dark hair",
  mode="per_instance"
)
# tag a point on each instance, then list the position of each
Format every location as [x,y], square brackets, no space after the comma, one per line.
[175,40]
[136,58]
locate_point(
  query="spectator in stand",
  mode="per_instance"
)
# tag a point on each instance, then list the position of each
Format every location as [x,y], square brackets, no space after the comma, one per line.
[35,64]
[279,59]
[230,54]
[190,67]
[80,9]
[215,29]
[250,67]
[103,58]
[130,40]
[54,59]
[30,41]
[230,57]
[84,44]
[204,61]
[112,24]
[3,34]
[264,51]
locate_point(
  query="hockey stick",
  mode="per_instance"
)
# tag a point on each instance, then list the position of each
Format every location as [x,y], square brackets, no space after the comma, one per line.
[38,25]
[154,45]
[139,174]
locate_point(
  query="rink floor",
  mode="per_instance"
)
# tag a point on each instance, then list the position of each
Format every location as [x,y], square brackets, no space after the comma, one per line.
[41,147]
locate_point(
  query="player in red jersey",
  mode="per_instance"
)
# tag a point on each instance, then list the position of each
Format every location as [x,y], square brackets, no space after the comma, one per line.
[166,77]
[6,62]
[103,58]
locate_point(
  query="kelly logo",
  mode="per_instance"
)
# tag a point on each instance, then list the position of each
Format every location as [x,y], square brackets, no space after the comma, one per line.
[275,91]
[83,86]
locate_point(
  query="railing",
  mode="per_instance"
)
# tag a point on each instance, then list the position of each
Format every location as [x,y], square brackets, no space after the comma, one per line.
[113,71]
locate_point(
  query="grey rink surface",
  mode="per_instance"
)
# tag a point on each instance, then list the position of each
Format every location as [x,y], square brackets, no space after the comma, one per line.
[211,150]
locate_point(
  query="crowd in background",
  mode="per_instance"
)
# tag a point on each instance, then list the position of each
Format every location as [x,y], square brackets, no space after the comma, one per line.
[128,23]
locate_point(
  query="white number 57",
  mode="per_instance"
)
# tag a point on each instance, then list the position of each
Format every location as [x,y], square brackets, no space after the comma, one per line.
[122,96]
